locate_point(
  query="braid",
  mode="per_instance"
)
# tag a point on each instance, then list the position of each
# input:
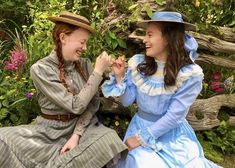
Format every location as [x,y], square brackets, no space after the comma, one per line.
[61,28]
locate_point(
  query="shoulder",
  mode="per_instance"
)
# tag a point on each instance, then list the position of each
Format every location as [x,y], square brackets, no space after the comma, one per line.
[44,66]
[192,73]
[191,70]
[85,61]
[135,60]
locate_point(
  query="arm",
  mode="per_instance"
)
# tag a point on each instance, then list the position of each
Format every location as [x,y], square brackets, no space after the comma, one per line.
[82,124]
[125,88]
[47,81]
[92,108]
[177,111]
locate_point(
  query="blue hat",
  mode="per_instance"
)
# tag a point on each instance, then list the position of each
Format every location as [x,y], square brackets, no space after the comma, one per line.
[167,16]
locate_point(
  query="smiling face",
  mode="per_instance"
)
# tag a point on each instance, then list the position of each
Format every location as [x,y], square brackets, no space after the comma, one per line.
[74,44]
[155,43]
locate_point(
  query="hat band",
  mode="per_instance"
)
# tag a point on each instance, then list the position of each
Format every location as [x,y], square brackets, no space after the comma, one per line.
[75,19]
[167,16]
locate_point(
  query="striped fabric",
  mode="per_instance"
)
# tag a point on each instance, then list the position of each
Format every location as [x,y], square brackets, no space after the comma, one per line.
[38,145]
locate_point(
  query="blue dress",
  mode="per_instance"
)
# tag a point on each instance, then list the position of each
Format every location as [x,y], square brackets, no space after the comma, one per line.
[160,121]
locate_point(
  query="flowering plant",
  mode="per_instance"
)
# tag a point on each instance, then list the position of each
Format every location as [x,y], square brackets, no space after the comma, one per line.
[17,60]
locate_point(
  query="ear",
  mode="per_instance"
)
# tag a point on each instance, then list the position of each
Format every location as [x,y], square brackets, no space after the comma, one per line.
[62,38]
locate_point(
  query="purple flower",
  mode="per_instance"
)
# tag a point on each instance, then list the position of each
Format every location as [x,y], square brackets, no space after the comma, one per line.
[29,95]
[17,60]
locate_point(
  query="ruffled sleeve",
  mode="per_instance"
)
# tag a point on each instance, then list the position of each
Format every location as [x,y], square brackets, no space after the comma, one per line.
[110,88]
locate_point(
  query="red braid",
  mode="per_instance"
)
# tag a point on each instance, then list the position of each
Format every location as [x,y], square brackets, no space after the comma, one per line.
[59,28]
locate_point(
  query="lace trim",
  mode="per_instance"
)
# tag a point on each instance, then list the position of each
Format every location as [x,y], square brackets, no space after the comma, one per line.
[152,88]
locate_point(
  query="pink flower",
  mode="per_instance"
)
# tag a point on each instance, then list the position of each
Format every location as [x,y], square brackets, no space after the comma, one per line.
[216,76]
[217,87]
[219,90]
[18,59]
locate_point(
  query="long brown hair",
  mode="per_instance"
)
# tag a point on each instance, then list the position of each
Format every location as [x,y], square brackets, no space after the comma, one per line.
[177,56]
[61,27]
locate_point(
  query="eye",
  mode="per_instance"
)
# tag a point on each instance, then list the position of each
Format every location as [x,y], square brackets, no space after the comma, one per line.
[83,42]
[150,34]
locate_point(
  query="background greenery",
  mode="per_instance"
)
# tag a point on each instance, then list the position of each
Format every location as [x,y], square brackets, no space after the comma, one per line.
[24,23]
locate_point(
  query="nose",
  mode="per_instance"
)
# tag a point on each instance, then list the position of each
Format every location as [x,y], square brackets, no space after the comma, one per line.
[144,39]
[84,47]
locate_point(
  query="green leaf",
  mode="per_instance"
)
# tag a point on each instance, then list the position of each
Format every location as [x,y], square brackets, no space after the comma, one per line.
[2,97]
[121,43]
[10,4]
[5,103]
[108,39]
[11,92]
[14,118]
[3,113]
[114,44]
[160,2]
[232,24]
[132,6]
[18,101]
[149,12]
[112,35]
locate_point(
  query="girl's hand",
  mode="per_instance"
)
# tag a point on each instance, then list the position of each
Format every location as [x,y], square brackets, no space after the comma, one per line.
[70,144]
[119,68]
[132,142]
[103,61]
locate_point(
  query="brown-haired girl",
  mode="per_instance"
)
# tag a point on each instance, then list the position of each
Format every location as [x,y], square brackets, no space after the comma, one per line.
[164,83]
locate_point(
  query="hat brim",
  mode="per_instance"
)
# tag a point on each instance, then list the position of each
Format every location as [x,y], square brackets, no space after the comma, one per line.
[69,21]
[188,26]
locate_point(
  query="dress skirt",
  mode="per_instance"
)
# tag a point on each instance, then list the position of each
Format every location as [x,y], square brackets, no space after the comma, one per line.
[178,148]
[38,145]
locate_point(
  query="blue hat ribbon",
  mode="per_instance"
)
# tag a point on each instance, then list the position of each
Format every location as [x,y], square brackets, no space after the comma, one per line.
[191,45]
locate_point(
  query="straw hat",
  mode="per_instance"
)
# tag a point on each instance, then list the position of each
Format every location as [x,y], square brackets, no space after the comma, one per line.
[77,20]
[167,16]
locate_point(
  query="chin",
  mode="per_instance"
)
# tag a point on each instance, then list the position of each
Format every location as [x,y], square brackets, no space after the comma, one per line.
[149,55]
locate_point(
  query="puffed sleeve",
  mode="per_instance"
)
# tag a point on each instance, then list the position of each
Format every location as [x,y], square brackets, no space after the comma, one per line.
[46,79]
[126,89]
[177,111]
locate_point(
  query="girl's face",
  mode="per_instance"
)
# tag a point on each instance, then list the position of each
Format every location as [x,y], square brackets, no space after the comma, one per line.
[74,44]
[155,43]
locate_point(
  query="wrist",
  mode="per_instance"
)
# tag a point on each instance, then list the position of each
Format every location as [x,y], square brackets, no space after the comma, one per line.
[100,72]
[119,78]
[76,136]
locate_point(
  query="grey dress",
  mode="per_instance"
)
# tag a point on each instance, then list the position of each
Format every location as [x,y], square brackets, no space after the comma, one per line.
[38,145]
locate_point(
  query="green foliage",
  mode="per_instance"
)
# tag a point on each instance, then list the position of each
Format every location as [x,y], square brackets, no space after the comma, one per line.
[15,107]
[16,10]
[33,30]
[215,141]
[205,13]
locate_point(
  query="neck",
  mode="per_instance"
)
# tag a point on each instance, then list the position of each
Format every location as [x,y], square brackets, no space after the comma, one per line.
[161,57]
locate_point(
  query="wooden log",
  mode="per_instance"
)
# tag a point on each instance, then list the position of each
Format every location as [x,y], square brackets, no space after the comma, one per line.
[204,112]
[205,42]
[214,44]
[113,105]
[224,33]
[231,121]
[216,60]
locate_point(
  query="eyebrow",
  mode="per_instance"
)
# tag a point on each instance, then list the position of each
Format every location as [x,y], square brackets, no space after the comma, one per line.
[149,32]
